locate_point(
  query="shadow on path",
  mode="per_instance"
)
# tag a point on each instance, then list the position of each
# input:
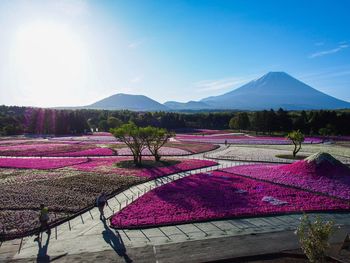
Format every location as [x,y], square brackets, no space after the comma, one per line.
[42,252]
[115,241]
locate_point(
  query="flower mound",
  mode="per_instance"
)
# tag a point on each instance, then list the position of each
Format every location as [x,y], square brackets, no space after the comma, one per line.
[218,195]
[320,172]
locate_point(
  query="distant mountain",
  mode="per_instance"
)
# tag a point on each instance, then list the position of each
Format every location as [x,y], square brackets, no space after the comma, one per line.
[275,90]
[191,105]
[128,102]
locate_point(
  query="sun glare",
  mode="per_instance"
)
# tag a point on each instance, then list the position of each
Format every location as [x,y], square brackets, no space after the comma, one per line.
[49,59]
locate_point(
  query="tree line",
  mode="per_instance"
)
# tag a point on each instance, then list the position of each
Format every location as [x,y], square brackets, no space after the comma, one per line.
[321,122]
[22,120]
[19,120]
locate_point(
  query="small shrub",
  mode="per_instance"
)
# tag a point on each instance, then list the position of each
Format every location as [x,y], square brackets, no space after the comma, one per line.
[314,238]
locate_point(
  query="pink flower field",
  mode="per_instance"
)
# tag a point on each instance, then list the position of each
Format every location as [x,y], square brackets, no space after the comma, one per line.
[108,165]
[39,163]
[163,151]
[43,149]
[318,174]
[88,152]
[200,131]
[241,139]
[68,185]
[63,147]
[219,195]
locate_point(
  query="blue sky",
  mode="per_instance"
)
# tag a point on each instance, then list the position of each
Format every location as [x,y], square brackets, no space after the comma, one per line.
[55,53]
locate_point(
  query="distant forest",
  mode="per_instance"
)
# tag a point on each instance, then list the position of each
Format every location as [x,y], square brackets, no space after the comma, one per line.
[22,120]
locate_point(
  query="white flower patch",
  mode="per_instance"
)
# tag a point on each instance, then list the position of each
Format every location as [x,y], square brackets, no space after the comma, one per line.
[273,200]
[240,191]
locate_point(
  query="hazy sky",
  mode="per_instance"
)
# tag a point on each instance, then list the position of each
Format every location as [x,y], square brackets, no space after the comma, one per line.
[65,53]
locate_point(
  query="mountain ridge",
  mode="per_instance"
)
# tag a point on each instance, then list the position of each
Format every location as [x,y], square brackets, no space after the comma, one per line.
[122,101]
[271,91]
[276,90]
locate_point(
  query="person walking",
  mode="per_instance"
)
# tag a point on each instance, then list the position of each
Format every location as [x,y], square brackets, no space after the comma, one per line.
[44,220]
[101,201]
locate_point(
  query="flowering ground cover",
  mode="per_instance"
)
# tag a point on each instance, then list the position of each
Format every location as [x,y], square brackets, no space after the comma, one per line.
[68,185]
[192,147]
[41,164]
[62,147]
[88,152]
[242,139]
[63,195]
[213,136]
[17,141]
[43,149]
[163,151]
[9,219]
[200,131]
[109,165]
[219,195]
[103,137]
[260,154]
[336,138]
[102,134]
[318,173]
[340,152]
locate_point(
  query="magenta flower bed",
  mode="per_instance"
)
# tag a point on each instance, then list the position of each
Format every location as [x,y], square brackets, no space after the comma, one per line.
[88,138]
[39,163]
[242,139]
[200,131]
[211,137]
[88,152]
[107,165]
[163,151]
[218,195]
[14,141]
[324,178]
[30,147]
[58,149]
[102,134]
[44,149]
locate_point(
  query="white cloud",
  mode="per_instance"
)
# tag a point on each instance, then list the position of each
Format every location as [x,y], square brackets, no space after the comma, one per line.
[72,7]
[329,51]
[219,84]
[319,43]
[326,74]
[135,44]
[137,79]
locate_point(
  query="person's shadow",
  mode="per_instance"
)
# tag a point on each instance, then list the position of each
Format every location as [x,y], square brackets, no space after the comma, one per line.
[115,241]
[42,252]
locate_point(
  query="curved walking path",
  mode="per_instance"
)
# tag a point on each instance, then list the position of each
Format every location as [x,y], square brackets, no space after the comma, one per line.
[87,239]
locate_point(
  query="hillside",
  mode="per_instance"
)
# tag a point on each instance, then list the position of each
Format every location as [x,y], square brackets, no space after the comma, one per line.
[128,102]
[275,90]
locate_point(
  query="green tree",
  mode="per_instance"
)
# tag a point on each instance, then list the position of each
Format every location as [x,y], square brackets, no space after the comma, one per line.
[134,137]
[103,125]
[240,121]
[325,132]
[155,138]
[314,238]
[114,122]
[297,138]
